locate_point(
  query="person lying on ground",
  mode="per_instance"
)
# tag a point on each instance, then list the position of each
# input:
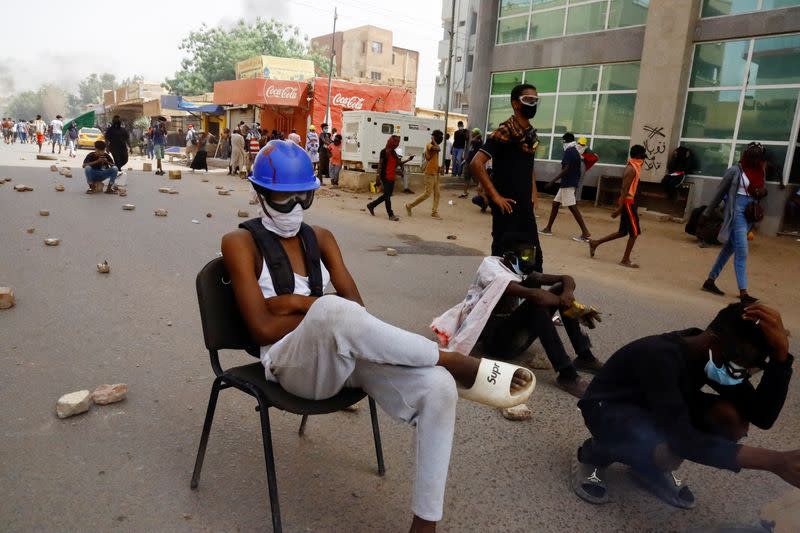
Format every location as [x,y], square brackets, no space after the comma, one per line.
[646,409]
[98,166]
[507,308]
[314,345]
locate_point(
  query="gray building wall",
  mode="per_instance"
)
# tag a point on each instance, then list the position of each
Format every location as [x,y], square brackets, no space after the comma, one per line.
[631,44]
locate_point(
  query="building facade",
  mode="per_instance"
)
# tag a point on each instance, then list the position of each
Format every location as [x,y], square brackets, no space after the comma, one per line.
[366,55]
[711,75]
[465,32]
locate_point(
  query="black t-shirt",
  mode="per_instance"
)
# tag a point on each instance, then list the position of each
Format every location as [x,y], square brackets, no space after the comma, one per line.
[572,160]
[654,374]
[93,156]
[460,138]
[512,150]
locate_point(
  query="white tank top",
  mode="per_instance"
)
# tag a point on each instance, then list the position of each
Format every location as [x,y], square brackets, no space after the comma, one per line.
[301,286]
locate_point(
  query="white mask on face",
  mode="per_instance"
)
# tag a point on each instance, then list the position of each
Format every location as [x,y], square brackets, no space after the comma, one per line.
[282,224]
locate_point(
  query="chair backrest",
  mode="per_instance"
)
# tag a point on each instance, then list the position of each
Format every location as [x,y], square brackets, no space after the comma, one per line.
[223,326]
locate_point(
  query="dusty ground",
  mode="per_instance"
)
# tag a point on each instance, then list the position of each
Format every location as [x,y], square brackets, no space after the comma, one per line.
[126,467]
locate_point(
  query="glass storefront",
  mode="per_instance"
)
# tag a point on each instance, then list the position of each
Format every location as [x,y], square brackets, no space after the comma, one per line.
[594,101]
[716,8]
[526,20]
[743,91]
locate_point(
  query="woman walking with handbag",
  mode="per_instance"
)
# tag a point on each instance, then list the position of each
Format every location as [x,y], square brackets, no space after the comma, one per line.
[743,184]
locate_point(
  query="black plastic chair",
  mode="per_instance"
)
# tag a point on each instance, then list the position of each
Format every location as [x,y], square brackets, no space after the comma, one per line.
[224,328]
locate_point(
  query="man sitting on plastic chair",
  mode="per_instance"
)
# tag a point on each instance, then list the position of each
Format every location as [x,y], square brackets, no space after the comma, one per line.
[315,345]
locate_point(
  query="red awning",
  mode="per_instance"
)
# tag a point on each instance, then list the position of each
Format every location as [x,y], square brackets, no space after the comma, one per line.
[259,91]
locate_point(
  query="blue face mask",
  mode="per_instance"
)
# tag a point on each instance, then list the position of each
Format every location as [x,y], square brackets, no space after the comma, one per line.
[720,374]
[515,266]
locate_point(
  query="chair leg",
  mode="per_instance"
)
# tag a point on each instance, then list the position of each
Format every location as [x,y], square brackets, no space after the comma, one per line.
[376,433]
[302,429]
[201,451]
[272,482]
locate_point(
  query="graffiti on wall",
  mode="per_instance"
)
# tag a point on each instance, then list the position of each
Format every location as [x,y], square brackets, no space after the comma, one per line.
[655,145]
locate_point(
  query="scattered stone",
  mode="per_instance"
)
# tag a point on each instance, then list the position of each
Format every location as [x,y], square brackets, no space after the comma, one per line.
[64,171]
[173,191]
[73,403]
[164,189]
[53,168]
[60,187]
[391,252]
[106,394]
[209,215]
[160,212]
[351,408]
[52,242]
[174,174]
[169,324]
[103,267]
[44,157]
[516,413]
[44,213]
[253,201]
[122,191]
[147,167]
[195,221]
[187,516]
[204,180]
[30,230]
[243,214]
[451,237]
[7,299]
[224,193]
[6,179]
[128,207]
[19,187]
[218,186]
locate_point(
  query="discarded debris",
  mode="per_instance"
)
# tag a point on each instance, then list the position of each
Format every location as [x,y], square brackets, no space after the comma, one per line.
[128,207]
[451,237]
[174,174]
[30,230]
[195,221]
[253,201]
[147,167]
[44,157]
[6,179]
[103,267]
[218,186]
[224,193]
[243,214]
[19,187]
[106,394]
[391,251]
[160,212]
[164,189]
[53,168]
[44,213]
[517,413]
[64,171]
[73,403]
[209,215]
[451,202]
[7,299]
[169,324]
[52,241]
[122,191]
[204,180]
[173,191]
[59,187]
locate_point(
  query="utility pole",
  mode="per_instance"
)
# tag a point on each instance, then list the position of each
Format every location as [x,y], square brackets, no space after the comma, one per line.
[330,68]
[451,33]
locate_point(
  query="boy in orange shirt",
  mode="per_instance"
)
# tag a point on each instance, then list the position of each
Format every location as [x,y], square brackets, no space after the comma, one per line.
[335,162]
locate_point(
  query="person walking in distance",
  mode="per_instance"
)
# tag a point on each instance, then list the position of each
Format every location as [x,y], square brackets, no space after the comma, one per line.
[743,184]
[432,172]
[569,178]
[57,135]
[72,138]
[448,152]
[200,161]
[312,146]
[475,143]
[627,210]
[388,161]
[512,187]
[336,159]
[39,127]
[460,137]
[159,142]
[118,141]
[325,140]
[294,137]
[238,154]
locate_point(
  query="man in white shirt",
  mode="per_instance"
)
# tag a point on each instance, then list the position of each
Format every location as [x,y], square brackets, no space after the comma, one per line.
[294,137]
[57,137]
[39,127]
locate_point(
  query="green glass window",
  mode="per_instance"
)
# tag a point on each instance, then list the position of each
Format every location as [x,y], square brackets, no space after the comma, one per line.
[499,111]
[586,17]
[777,4]
[615,114]
[579,79]
[767,114]
[545,81]
[714,8]
[711,114]
[544,114]
[512,30]
[543,150]
[776,159]
[776,61]
[719,64]
[575,113]
[611,151]
[513,7]
[712,158]
[620,77]
[544,4]
[627,13]
[503,82]
[546,24]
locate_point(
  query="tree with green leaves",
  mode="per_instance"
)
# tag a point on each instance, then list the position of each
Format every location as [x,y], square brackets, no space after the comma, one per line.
[90,89]
[212,53]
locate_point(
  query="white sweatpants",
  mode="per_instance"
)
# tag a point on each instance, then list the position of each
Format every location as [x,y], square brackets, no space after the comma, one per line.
[339,344]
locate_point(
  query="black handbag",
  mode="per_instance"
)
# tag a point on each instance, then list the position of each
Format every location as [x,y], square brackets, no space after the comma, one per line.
[754,212]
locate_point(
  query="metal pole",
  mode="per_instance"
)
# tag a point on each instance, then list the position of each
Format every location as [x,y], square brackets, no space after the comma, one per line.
[449,72]
[330,68]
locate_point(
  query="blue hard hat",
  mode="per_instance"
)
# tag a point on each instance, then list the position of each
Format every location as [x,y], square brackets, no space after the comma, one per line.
[285,167]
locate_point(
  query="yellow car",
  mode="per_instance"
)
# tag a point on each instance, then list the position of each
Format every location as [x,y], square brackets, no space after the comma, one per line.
[88,136]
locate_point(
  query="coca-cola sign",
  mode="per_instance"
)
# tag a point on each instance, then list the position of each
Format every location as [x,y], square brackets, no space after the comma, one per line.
[284,93]
[348,102]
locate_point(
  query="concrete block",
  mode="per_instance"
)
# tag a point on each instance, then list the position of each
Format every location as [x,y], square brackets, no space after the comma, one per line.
[174,174]
[7,299]
[353,181]
[147,167]
[52,242]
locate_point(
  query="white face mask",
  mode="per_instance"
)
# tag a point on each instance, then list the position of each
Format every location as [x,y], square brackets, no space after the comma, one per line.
[282,224]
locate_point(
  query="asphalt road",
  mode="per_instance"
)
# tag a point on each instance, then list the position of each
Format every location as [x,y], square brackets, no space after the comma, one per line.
[127,466]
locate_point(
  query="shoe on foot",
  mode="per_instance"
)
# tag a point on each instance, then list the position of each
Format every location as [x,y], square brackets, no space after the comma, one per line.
[110,189]
[580,238]
[574,386]
[710,286]
[592,364]
[666,486]
[464,195]
[546,232]
[408,209]
[371,210]
[436,216]
[394,218]
[408,191]
[588,481]
[747,299]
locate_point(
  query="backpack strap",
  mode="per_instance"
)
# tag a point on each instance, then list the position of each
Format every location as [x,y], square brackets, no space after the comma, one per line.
[313,258]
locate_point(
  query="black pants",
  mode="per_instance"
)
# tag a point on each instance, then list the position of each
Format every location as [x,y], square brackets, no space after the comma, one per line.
[522,224]
[386,196]
[507,337]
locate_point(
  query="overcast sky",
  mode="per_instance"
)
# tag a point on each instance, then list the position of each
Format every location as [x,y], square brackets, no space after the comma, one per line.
[62,42]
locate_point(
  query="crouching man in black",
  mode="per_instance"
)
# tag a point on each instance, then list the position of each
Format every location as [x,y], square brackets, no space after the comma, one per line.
[645,407]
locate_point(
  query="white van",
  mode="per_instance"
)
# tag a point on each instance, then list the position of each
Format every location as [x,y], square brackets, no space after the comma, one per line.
[364,135]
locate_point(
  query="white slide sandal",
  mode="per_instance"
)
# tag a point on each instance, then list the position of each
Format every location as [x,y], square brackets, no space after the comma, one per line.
[493,385]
